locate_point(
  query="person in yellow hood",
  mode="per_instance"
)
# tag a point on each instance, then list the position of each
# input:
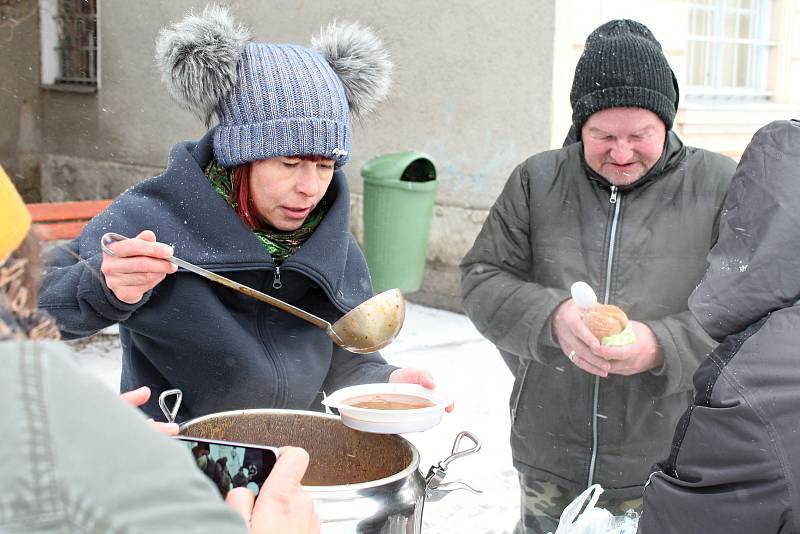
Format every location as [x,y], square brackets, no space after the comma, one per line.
[14,217]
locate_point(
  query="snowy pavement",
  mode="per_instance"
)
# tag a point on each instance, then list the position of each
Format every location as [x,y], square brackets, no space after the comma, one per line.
[466,367]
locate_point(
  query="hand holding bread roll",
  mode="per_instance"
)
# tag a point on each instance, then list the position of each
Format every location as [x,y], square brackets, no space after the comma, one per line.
[605,320]
[609,324]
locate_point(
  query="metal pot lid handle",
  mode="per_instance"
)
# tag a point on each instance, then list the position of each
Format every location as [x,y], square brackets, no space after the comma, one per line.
[433,495]
[455,454]
[162,403]
[434,488]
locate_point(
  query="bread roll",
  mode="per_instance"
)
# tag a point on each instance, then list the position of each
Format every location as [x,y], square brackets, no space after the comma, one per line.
[605,320]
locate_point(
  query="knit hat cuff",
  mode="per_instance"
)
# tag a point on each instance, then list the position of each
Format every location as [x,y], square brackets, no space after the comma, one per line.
[237,144]
[623,97]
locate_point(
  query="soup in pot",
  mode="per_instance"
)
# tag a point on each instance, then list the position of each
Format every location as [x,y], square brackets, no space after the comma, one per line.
[339,455]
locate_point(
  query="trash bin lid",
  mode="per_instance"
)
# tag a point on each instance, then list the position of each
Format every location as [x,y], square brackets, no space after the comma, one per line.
[410,166]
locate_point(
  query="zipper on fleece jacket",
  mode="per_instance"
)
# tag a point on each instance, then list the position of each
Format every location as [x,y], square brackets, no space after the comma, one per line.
[276,280]
[615,201]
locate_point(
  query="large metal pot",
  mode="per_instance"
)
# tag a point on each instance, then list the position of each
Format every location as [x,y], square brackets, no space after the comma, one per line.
[360,482]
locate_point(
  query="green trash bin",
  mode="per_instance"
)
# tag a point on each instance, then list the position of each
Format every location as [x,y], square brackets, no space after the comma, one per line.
[399,192]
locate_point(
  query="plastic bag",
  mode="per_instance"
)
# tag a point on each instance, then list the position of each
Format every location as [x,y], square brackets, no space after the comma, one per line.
[625,524]
[582,517]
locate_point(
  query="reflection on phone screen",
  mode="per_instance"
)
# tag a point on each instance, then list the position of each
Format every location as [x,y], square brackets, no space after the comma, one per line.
[231,465]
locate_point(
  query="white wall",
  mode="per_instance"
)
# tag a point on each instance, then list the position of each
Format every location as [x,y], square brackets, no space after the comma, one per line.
[722,127]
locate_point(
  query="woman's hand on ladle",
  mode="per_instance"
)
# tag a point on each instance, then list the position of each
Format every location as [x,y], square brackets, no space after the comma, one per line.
[137,266]
[410,375]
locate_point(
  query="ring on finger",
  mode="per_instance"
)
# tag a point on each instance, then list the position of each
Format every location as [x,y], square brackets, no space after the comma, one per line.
[571,355]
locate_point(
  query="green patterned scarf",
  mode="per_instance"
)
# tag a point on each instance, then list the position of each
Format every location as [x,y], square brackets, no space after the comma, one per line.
[279,244]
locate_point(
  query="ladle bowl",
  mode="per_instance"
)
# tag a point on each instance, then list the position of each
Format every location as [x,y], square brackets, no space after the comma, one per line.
[367,328]
[371,325]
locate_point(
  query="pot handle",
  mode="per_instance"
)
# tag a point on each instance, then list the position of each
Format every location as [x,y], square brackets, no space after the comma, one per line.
[162,403]
[435,489]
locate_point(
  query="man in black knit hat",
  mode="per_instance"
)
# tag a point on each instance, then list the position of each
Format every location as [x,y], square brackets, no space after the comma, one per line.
[628,208]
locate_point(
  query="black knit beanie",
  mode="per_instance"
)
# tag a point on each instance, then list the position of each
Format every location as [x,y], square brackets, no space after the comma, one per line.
[623,65]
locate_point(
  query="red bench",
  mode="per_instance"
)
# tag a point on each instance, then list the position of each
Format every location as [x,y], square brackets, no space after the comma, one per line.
[54,221]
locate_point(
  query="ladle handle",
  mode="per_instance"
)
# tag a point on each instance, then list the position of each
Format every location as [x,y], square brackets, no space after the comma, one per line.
[214,277]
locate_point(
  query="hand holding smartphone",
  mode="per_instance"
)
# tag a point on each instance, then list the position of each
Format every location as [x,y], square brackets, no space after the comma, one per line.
[283,505]
[230,464]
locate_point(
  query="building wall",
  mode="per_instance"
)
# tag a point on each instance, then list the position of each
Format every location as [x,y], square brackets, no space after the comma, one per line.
[19,93]
[472,89]
[478,86]
[722,127]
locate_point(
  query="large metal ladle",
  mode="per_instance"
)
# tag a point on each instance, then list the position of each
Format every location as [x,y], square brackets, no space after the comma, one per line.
[368,327]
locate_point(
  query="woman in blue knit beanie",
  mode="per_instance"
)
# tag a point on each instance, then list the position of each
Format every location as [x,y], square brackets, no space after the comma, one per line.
[261,199]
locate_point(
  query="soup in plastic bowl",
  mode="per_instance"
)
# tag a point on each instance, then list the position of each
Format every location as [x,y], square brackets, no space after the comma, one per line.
[389,408]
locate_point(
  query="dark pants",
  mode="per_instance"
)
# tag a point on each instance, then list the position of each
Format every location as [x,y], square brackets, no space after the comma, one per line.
[542,502]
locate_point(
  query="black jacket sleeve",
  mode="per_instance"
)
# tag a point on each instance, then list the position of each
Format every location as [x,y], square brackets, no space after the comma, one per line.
[74,292]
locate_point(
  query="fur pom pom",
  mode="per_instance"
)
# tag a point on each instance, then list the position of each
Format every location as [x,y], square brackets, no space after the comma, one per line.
[360,60]
[198,58]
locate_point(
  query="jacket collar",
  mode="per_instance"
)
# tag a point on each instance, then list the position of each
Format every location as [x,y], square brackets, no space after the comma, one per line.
[324,257]
[183,209]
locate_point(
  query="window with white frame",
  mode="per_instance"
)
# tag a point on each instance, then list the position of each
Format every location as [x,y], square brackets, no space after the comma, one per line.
[69,37]
[728,49]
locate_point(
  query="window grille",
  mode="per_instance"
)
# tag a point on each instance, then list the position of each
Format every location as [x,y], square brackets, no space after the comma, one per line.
[728,48]
[76,23]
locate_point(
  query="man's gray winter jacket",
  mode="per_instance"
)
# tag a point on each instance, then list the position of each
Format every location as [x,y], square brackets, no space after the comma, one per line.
[642,247]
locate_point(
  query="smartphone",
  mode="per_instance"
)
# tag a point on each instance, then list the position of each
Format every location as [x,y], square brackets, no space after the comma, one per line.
[231,465]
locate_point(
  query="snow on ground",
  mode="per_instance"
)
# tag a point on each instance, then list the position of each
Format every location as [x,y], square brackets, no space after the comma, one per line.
[469,369]
[466,367]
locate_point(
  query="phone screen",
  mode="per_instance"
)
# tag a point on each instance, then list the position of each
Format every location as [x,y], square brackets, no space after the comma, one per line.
[232,465]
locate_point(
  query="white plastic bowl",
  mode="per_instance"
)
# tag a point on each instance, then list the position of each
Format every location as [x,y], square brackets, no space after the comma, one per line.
[389,421]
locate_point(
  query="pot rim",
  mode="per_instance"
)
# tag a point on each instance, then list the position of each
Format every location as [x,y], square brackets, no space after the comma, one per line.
[400,475]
